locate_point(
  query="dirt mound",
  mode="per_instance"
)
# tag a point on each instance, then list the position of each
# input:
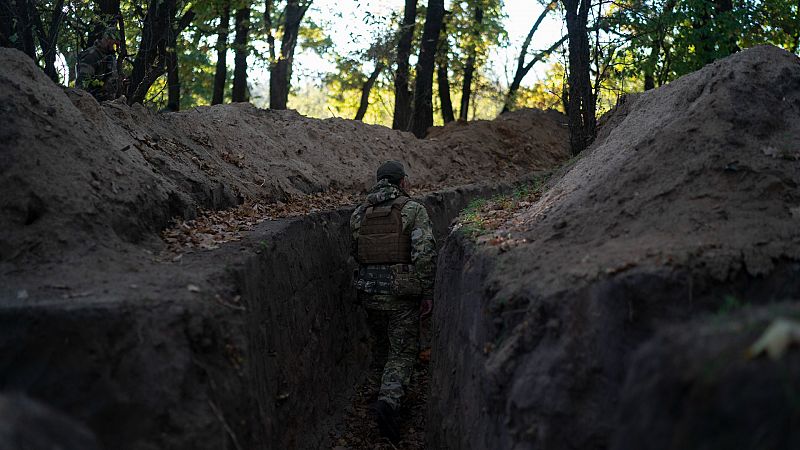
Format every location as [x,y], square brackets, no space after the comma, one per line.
[702,173]
[691,193]
[76,174]
[691,386]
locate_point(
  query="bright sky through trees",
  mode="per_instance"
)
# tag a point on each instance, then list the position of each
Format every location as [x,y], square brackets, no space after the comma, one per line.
[351,25]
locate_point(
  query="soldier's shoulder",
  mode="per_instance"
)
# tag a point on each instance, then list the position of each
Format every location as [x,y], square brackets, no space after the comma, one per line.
[358,211]
[414,205]
[90,55]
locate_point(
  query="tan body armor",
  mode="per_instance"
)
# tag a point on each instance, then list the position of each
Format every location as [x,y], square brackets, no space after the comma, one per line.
[381,238]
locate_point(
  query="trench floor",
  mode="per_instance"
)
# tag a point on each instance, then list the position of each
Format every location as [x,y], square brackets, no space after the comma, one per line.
[358,430]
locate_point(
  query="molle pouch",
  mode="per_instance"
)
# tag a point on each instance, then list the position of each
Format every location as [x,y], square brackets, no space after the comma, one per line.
[404,281]
[374,279]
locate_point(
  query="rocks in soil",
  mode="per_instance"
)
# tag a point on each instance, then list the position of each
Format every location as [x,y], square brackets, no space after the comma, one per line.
[686,198]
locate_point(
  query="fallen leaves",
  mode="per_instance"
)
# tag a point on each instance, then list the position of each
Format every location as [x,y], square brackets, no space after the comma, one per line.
[213,228]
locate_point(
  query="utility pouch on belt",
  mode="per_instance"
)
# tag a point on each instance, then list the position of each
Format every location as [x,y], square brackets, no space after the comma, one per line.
[397,279]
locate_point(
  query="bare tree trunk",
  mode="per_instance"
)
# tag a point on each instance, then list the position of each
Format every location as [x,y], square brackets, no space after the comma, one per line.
[422,116]
[23,11]
[280,76]
[47,38]
[6,24]
[242,23]
[522,67]
[444,92]
[402,91]
[151,59]
[149,63]
[658,45]
[469,68]
[221,73]
[580,110]
[362,107]
[173,78]
[442,79]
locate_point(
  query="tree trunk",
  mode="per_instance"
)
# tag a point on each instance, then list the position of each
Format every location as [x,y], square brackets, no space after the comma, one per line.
[522,67]
[580,110]
[444,91]
[173,79]
[221,73]
[422,116]
[402,93]
[150,63]
[242,24]
[469,68]
[47,38]
[658,44]
[24,27]
[281,71]
[6,24]
[442,73]
[362,107]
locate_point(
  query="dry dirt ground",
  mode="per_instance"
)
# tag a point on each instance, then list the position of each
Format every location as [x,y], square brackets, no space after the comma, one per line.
[687,202]
[93,196]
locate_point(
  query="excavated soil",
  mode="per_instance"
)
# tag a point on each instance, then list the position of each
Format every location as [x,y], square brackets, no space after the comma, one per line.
[124,300]
[688,198]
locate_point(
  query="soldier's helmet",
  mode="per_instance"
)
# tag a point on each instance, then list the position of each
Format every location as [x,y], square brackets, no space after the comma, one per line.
[392,171]
[113,34]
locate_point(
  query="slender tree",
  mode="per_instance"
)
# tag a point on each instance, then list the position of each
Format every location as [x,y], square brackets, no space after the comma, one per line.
[48,37]
[422,117]
[581,102]
[221,71]
[364,103]
[280,74]
[442,74]
[241,51]
[150,63]
[402,91]
[469,67]
[524,67]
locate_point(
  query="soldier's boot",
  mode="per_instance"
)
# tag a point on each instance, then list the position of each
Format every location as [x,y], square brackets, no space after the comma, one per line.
[384,415]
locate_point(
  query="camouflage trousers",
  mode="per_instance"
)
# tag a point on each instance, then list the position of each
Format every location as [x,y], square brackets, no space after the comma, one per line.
[394,339]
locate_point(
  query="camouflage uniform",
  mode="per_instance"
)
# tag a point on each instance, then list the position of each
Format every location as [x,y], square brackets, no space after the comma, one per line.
[394,319]
[97,73]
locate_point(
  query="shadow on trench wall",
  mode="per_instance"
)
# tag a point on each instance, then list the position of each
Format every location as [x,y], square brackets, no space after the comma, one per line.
[173,369]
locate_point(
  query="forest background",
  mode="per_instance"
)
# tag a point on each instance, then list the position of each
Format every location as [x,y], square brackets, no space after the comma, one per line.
[407,64]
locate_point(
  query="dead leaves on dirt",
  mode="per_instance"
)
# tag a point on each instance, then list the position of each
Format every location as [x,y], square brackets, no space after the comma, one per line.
[213,228]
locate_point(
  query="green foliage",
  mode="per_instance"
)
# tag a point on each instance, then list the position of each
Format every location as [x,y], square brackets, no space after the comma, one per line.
[730,303]
[482,216]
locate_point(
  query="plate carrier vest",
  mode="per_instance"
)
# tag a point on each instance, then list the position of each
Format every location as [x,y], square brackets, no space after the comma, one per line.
[381,239]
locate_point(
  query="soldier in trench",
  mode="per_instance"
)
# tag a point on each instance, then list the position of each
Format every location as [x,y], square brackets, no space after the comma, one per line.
[394,245]
[97,72]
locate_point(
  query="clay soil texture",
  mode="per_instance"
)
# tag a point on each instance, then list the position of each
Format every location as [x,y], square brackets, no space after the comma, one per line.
[685,212]
[181,280]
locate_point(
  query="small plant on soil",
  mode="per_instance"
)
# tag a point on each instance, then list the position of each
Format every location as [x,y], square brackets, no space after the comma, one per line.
[483,216]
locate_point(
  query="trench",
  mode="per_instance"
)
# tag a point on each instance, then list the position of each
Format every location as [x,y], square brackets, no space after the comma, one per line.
[267,350]
[310,337]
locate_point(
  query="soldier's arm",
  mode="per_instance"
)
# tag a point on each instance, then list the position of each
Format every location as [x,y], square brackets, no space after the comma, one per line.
[423,249]
[355,227]
[85,70]
[85,73]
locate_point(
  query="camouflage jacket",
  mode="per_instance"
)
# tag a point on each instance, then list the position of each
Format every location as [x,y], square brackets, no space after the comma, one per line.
[97,73]
[415,221]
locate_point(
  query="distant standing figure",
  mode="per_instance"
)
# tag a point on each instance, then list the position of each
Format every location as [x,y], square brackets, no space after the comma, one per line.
[97,67]
[394,245]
